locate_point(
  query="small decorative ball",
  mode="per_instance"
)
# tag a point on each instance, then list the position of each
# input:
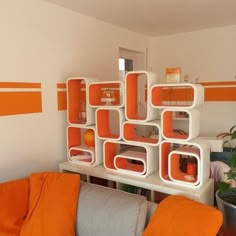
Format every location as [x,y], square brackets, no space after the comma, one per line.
[89,138]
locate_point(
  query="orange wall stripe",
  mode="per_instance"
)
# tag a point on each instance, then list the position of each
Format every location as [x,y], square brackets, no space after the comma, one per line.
[222,83]
[214,91]
[61,100]
[13,103]
[220,94]
[61,97]
[61,85]
[19,85]
[20,98]
[224,91]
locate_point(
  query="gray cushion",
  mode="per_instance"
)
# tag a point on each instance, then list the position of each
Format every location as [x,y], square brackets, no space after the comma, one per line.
[108,212]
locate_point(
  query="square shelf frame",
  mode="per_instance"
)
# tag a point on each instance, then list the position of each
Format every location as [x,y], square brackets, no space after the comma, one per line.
[96,90]
[79,112]
[103,122]
[77,147]
[112,149]
[183,95]
[168,148]
[133,103]
[129,132]
[167,120]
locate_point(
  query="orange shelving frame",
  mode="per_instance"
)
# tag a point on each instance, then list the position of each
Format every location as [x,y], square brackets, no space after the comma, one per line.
[104,125]
[137,105]
[76,93]
[96,90]
[130,133]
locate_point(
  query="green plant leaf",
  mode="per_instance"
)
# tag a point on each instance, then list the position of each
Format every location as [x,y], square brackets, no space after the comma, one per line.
[224,187]
[231,174]
[233,136]
[233,161]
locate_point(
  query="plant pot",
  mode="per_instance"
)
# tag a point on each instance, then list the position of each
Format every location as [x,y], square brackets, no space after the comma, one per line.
[229,213]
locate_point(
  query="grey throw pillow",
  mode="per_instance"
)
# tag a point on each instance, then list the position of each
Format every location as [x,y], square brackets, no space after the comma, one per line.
[109,212]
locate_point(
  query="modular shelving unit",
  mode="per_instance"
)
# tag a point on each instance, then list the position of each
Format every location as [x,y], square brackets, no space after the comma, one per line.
[130,145]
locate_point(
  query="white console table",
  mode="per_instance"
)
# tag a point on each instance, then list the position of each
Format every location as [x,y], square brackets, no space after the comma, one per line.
[204,194]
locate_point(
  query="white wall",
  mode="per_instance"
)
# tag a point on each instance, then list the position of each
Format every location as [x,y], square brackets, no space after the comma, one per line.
[208,55]
[41,42]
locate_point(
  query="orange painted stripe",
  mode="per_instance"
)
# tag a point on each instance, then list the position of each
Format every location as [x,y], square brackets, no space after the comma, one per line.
[214,92]
[61,85]
[61,100]
[19,85]
[13,103]
[220,94]
[222,83]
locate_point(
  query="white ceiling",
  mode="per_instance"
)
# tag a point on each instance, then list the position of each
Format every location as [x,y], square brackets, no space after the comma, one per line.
[157,17]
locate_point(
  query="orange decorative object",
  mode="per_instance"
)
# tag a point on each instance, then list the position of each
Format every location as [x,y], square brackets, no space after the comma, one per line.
[89,138]
[192,168]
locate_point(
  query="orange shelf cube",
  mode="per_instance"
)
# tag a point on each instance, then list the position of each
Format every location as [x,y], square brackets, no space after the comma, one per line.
[77,102]
[171,132]
[192,174]
[117,156]
[131,162]
[83,148]
[131,132]
[177,95]
[137,105]
[106,128]
[106,94]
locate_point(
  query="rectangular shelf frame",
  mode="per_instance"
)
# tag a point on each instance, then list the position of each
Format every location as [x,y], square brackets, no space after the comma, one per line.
[204,194]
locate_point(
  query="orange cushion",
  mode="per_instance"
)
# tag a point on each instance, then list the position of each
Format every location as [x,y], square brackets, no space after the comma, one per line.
[52,205]
[178,216]
[13,206]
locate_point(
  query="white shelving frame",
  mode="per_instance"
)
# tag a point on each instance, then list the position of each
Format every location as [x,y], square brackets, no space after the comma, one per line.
[204,194]
[150,178]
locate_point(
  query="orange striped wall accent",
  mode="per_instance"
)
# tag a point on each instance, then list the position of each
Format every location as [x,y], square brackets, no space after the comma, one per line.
[214,92]
[61,97]
[220,91]
[20,98]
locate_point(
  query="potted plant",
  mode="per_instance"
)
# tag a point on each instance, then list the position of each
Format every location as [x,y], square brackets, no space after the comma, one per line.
[226,194]
[228,146]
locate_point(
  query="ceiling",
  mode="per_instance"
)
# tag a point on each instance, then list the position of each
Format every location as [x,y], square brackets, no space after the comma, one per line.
[157,17]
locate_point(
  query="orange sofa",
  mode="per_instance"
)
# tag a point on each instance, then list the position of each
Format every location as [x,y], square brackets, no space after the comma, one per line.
[57,204]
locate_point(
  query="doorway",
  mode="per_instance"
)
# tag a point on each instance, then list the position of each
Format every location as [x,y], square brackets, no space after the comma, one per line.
[130,60]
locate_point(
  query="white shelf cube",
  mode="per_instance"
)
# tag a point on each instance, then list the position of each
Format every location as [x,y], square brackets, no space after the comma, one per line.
[169,147]
[167,124]
[98,89]
[182,96]
[123,165]
[188,179]
[84,156]
[109,122]
[77,149]
[77,92]
[112,149]
[137,87]
[130,131]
